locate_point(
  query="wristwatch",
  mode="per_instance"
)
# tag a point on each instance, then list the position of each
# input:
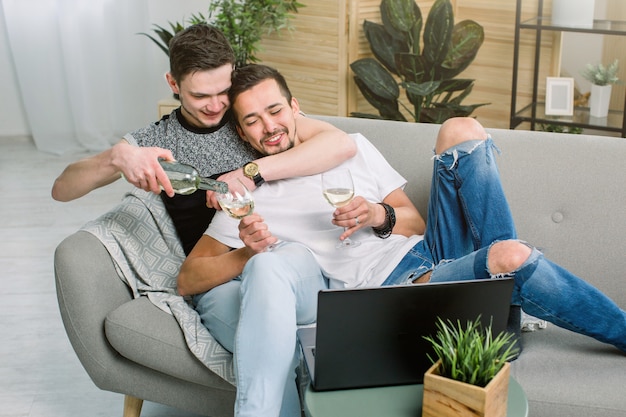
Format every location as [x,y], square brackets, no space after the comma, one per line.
[251,170]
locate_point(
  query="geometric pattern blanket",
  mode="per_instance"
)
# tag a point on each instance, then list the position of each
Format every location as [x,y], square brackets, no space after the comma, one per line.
[142,241]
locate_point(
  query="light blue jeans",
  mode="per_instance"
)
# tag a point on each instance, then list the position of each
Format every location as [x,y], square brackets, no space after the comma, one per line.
[256,315]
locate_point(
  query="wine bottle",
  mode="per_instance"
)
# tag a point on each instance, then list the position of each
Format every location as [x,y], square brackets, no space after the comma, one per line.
[186,180]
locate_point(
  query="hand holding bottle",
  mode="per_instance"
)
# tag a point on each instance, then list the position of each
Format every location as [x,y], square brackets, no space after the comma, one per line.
[185,179]
[140,166]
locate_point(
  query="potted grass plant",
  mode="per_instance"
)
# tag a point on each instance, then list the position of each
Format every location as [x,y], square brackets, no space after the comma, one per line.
[470,372]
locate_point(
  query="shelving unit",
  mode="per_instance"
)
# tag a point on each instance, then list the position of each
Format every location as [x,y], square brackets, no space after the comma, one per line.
[534,112]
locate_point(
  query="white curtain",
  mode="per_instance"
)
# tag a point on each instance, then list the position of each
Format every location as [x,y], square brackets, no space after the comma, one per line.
[84,75]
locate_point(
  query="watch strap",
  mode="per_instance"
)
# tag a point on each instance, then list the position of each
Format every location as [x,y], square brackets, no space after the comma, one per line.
[258,180]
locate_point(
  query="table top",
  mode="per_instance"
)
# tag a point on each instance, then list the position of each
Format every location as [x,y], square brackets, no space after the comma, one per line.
[395,401]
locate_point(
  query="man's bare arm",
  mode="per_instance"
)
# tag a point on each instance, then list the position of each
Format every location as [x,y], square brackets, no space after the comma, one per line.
[210,264]
[323,147]
[139,165]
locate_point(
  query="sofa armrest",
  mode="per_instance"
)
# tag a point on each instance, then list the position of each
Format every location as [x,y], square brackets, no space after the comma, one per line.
[88,289]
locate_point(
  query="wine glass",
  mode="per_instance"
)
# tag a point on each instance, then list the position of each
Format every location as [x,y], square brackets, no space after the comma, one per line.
[338,189]
[237,202]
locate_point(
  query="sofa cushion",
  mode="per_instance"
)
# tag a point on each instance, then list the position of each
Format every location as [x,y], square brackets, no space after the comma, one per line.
[564,374]
[143,333]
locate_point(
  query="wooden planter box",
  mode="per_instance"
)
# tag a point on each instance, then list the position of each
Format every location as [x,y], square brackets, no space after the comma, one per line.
[445,397]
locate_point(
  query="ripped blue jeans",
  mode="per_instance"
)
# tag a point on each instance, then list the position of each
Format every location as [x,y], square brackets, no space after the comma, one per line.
[467,213]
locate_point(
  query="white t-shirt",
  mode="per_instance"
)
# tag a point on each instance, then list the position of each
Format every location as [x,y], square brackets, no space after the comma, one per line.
[295,210]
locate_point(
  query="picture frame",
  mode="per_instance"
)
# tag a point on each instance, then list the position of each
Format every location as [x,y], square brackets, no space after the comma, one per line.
[559,96]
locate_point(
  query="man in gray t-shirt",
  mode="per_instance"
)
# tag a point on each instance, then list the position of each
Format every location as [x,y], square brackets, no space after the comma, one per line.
[199,133]
[211,150]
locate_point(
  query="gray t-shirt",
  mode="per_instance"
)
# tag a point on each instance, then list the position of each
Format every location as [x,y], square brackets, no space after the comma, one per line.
[212,151]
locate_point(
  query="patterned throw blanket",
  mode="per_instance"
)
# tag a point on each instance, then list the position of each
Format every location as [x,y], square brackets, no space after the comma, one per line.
[142,241]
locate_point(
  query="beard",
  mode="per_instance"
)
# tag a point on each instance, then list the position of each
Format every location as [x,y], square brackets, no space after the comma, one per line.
[273,150]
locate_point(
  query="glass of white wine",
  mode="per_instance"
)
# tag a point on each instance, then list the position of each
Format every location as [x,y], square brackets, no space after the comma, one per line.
[238,201]
[338,189]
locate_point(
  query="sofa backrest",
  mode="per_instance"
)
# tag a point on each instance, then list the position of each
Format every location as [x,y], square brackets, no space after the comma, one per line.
[567,192]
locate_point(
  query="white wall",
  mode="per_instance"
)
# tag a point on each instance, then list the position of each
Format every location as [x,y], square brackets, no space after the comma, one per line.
[162,11]
[12,117]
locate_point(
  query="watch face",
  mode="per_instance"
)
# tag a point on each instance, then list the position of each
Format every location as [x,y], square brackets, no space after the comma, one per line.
[251,169]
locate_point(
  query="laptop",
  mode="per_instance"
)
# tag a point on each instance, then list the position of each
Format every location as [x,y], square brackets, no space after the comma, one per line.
[375,336]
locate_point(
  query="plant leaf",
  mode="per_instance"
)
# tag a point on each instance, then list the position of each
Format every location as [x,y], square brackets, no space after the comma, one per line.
[388,109]
[455,84]
[415,34]
[422,89]
[376,78]
[411,67]
[366,116]
[381,44]
[467,38]
[162,47]
[388,24]
[438,32]
[401,13]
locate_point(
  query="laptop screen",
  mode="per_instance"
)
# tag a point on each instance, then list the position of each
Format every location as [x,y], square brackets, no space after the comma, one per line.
[375,336]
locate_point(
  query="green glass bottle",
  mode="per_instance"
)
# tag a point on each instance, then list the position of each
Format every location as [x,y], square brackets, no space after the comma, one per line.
[186,180]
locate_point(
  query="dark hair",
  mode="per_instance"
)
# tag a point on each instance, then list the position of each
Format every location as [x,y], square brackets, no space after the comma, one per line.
[246,77]
[199,47]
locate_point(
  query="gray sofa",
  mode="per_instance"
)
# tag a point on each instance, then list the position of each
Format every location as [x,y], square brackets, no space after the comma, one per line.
[567,196]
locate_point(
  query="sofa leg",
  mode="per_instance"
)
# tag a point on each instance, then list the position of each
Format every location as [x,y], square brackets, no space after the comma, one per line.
[132,406]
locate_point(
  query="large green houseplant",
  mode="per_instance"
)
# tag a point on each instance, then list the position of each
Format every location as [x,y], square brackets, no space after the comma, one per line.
[470,370]
[244,23]
[426,70]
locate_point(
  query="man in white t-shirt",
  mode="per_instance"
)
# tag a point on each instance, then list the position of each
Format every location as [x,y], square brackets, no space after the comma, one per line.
[306,219]
[252,300]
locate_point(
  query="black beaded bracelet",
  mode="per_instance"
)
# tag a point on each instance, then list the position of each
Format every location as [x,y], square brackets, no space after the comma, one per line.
[385,230]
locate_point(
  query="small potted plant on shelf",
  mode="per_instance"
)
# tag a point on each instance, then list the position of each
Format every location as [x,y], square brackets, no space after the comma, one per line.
[470,372]
[601,78]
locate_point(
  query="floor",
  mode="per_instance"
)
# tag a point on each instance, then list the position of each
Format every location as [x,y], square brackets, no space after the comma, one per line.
[40,376]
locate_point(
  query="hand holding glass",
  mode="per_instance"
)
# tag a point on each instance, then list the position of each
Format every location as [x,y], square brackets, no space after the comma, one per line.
[237,202]
[338,189]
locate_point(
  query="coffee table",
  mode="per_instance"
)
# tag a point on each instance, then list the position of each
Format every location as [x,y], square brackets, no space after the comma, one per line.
[396,401]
